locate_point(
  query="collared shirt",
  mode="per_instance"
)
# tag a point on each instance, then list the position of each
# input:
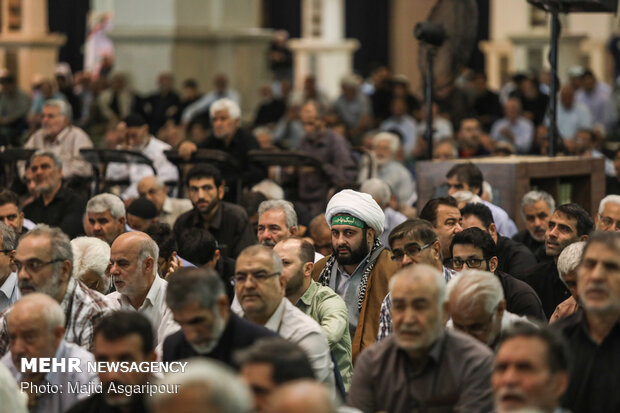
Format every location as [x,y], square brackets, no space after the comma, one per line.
[329,310]
[455,377]
[172,209]
[392,219]
[64,211]
[407,127]
[83,309]
[347,287]
[154,308]
[9,292]
[67,145]
[598,102]
[505,225]
[62,400]
[295,326]
[522,131]
[230,226]
[572,119]
[154,150]
[596,367]
[385,315]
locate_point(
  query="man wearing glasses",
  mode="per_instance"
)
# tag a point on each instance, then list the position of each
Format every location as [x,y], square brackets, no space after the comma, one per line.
[608,217]
[474,249]
[260,289]
[9,293]
[44,261]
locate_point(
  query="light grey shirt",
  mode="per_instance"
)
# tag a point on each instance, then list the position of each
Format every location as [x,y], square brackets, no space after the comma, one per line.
[9,292]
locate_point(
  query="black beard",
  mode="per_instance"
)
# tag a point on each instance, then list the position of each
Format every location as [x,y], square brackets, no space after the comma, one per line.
[356,256]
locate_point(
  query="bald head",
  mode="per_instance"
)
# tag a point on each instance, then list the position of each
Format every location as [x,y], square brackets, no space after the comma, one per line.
[154,190]
[302,396]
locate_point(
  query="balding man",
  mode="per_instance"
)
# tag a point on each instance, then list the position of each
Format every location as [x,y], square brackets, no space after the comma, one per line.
[608,217]
[44,263]
[36,327]
[301,396]
[423,365]
[168,208]
[133,268]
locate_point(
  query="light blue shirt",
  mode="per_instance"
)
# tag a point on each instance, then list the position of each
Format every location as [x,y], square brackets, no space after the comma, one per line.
[407,127]
[522,131]
[9,292]
[505,225]
[571,120]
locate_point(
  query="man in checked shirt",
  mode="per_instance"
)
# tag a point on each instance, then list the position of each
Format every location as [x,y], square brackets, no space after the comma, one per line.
[44,262]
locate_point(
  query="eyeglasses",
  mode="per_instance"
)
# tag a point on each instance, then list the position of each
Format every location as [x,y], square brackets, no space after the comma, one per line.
[471,262]
[34,265]
[608,222]
[412,249]
[259,277]
[5,252]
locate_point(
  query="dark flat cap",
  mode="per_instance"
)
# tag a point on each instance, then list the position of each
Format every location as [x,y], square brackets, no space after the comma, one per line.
[134,120]
[142,208]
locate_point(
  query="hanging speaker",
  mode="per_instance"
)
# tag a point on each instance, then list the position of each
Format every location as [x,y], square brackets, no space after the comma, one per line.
[573,6]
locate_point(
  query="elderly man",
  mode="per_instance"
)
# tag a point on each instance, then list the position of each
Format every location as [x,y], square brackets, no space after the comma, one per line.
[319,302]
[572,116]
[36,327]
[514,128]
[168,208]
[352,107]
[133,268]
[271,363]
[9,293]
[382,194]
[11,214]
[301,396]
[57,135]
[412,242]
[474,248]
[593,333]
[530,371]
[537,208]
[569,223]
[105,217]
[513,258]
[568,263]
[119,337]
[54,202]
[608,217]
[91,257]
[44,262]
[423,365]
[139,139]
[260,288]
[360,267]
[227,222]
[209,329]
[277,220]
[478,307]
[445,217]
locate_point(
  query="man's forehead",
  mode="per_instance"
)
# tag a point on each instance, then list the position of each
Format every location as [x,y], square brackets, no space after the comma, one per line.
[222,113]
[540,204]
[43,159]
[448,211]
[611,208]
[406,240]
[36,244]
[467,249]
[559,216]
[130,343]
[254,262]
[597,249]
[201,181]
[272,215]
[97,215]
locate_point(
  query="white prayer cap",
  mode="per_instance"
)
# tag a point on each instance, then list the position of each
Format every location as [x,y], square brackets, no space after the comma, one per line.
[357,204]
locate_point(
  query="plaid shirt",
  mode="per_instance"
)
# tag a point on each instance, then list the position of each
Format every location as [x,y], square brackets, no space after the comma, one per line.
[385,316]
[83,309]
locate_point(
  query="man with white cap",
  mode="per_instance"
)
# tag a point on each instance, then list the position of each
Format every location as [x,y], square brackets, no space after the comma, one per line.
[360,266]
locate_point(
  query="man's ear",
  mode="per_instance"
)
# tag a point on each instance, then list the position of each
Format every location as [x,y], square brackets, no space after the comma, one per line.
[370,235]
[122,221]
[446,312]
[493,264]
[293,230]
[65,270]
[493,230]
[307,269]
[584,237]
[149,264]
[436,250]
[223,306]
[221,190]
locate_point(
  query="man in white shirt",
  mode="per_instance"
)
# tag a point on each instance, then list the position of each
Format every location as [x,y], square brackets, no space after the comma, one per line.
[133,268]
[169,209]
[139,140]
[260,289]
[9,292]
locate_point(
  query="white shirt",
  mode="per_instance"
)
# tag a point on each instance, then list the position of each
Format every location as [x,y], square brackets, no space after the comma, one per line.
[295,326]
[154,308]
[154,150]
[9,292]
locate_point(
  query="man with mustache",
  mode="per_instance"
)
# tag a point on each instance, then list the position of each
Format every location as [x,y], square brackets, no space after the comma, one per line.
[228,222]
[608,216]
[530,371]
[594,333]
[44,261]
[276,220]
[36,327]
[120,336]
[9,291]
[360,266]
[105,217]
[537,208]
[422,366]
[569,223]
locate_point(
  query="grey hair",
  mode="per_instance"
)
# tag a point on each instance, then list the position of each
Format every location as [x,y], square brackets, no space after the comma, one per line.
[569,258]
[148,249]
[226,104]
[474,286]
[467,197]
[9,237]
[391,138]
[413,272]
[91,254]
[615,199]
[52,312]
[224,391]
[378,189]
[534,196]
[60,247]
[106,202]
[63,107]
[486,187]
[285,206]
[46,152]
[194,285]
[253,250]
[13,400]
[269,188]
